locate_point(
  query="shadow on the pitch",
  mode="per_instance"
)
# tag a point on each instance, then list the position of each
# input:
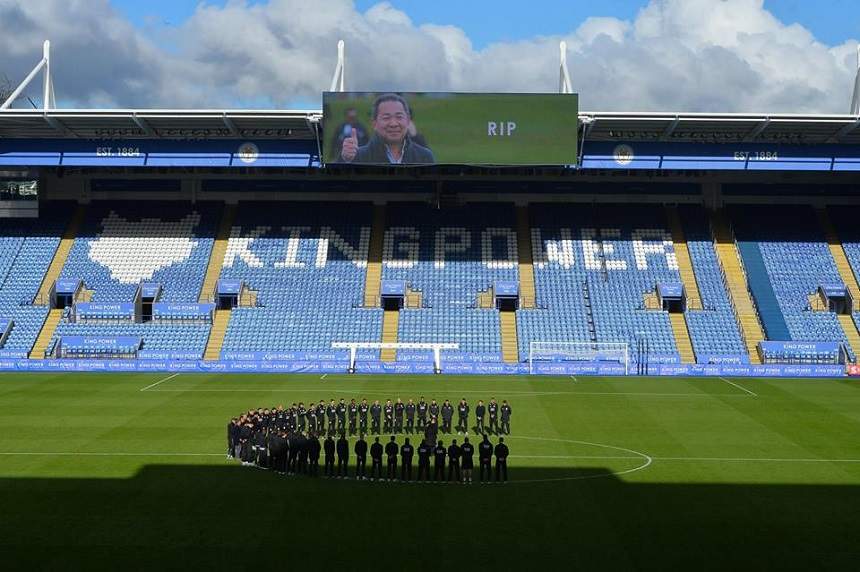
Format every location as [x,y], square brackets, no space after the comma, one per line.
[243,517]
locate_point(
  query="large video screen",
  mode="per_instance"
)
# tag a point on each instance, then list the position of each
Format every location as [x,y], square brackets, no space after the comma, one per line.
[389,128]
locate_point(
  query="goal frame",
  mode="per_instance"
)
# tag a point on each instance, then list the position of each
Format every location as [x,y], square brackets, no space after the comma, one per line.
[353,348]
[595,349]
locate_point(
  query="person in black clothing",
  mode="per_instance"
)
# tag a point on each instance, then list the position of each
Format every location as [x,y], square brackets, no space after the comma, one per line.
[410,417]
[506,418]
[421,408]
[375,413]
[312,418]
[431,430]
[362,416]
[440,454]
[261,444]
[424,451]
[314,448]
[276,451]
[361,458]
[292,453]
[463,416]
[341,417]
[493,410]
[331,414]
[376,458]
[303,453]
[466,452]
[353,416]
[391,449]
[301,412]
[245,434]
[321,418]
[433,409]
[388,417]
[447,416]
[342,457]
[232,437]
[501,460]
[485,455]
[454,461]
[399,408]
[329,447]
[480,411]
[406,452]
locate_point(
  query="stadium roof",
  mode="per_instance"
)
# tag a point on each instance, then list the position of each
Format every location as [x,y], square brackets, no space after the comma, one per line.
[302,124]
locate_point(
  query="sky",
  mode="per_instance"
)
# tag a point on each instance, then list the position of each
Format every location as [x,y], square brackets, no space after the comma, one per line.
[625,55]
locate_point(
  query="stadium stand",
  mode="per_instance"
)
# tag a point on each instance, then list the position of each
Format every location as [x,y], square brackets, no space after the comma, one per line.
[27,247]
[307,263]
[787,259]
[599,297]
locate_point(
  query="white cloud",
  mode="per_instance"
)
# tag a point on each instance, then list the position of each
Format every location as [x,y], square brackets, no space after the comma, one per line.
[678,55]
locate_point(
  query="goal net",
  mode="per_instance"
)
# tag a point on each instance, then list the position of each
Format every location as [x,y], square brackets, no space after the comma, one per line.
[436,348]
[555,352]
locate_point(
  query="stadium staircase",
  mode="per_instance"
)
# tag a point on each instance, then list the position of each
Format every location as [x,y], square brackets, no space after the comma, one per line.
[61,255]
[769,311]
[390,323]
[849,326]
[217,334]
[216,257]
[46,333]
[685,264]
[508,331]
[524,257]
[730,262]
[682,337]
[373,277]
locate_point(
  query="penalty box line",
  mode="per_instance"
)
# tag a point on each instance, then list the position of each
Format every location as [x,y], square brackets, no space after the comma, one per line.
[159,382]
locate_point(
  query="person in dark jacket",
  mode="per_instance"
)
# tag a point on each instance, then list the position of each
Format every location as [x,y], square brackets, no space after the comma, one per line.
[406,452]
[376,458]
[352,412]
[501,460]
[506,417]
[375,415]
[431,430]
[331,415]
[361,458]
[329,447]
[466,452]
[363,409]
[391,142]
[391,450]
[447,416]
[399,409]
[410,417]
[480,412]
[421,409]
[342,457]
[439,468]
[424,452]
[341,417]
[314,447]
[493,410]
[485,455]
[463,416]
[388,417]
[454,461]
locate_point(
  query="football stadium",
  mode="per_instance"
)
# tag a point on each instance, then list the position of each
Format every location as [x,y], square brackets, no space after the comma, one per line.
[667,304]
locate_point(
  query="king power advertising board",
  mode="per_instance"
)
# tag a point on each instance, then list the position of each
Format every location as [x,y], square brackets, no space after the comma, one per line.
[363,128]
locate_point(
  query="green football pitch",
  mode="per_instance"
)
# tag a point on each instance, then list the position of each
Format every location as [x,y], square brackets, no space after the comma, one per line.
[129,472]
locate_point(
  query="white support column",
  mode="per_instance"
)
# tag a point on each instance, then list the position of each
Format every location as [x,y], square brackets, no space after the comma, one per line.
[437,360]
[855,97]
[46,83]
[564,85]
[337,81]
[352,351]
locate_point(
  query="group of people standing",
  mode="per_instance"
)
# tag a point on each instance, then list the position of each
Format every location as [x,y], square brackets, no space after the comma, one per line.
[288,440]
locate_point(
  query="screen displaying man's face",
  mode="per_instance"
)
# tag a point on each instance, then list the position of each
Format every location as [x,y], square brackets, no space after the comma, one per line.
[391,122]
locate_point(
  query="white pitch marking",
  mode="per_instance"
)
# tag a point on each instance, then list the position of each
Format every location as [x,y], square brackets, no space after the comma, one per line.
[483,392]
[740,387]
[323,376]
[160,381]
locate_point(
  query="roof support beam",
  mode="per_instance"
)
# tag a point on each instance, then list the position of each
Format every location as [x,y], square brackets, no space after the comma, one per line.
[142,123]
[58,125]
[837,137]
[757,130]
[229,124]
[670,128]
[338,82]
[564,84]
